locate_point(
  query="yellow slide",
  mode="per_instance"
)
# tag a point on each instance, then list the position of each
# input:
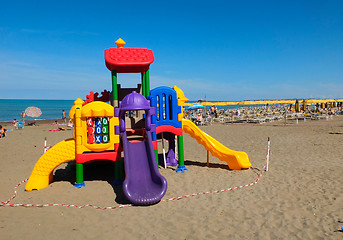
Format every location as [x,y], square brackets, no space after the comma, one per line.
[236,160]
[42,173]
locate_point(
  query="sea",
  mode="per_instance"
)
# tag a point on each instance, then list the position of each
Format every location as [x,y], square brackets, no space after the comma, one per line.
[51,109]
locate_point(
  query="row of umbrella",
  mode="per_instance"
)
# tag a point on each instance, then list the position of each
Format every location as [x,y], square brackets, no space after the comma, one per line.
[258,102]
[36,112]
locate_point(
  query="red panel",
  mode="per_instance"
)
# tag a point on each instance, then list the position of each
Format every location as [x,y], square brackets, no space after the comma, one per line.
[128,60]
[168,128]
[91,138]
[111,156]
[155,144]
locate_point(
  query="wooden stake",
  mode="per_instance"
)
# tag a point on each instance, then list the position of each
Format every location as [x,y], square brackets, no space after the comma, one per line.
[164,152]
[268,154]
[208,158]
[45,145]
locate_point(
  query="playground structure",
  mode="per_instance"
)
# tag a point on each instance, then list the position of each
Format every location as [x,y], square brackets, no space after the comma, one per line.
[130,122]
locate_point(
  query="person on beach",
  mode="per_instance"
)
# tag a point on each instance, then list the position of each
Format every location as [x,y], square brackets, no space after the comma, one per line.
[291,108]
[70,124]
[332,111]
[2,132]
[212,110]
[23,115]
[238,112]
[199,118]
[215,111]
[15,122]
[64,118]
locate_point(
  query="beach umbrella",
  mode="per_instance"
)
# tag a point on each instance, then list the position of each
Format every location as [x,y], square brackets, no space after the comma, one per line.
[195,106]
[297,106]
[304,105]
[33,112]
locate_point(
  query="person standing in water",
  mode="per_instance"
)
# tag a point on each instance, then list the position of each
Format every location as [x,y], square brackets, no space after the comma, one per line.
[64,118]
[23,115]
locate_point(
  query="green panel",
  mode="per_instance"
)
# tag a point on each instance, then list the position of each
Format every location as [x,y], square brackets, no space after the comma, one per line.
[105,138]
[114,85]
[104,121]
[181,152]
[143,84]
[79,173]
[118,171]
[156,155]
[105,129]
[147,82]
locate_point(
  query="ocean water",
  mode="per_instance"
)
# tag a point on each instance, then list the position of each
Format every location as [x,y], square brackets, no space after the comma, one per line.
[51,109]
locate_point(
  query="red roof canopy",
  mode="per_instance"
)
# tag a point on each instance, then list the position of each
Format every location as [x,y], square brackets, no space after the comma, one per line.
[128,60]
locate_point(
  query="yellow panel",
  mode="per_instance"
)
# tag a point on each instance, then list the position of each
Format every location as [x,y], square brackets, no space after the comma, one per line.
[41,174]
[97,109]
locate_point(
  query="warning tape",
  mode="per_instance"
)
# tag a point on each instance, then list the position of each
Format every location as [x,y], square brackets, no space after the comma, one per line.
[219,191]
[7,203]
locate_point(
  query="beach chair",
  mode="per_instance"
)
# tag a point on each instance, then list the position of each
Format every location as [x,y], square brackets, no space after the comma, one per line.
[20,125]
[207,120]
[218,119]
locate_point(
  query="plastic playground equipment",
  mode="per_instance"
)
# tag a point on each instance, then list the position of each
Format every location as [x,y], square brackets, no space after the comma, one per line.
[236,160]
[130,122]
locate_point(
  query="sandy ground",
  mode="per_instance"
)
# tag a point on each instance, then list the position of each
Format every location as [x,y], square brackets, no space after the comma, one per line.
[300,197]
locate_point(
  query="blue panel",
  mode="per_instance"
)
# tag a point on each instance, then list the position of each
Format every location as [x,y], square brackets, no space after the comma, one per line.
[98,138]
[98,130]
[97,121]
[170,117]
[154,137]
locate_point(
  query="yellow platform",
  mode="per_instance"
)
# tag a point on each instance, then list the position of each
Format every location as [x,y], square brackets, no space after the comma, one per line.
[42,173]
[236,160]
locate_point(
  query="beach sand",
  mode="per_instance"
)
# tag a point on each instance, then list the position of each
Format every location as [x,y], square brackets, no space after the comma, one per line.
[300,197]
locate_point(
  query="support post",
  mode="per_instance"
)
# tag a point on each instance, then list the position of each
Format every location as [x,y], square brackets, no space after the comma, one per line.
[114,89]
[79,175]
[208,158]
[164,152]
[45,145]
[147,82]
[181,166]
[176,148]
[143,84]
[268,154]
[181,150]
[156,155]
[118,172]
[118,165]
[78,142]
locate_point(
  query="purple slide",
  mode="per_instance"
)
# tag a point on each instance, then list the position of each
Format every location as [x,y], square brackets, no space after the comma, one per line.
[143,184]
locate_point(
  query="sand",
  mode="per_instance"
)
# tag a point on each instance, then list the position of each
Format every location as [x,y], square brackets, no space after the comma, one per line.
[300,197]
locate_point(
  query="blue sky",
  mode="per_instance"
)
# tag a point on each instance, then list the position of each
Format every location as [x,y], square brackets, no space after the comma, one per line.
[226,50]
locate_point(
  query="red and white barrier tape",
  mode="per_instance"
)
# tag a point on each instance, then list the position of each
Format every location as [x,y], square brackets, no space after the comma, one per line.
[219,191]
[6,203]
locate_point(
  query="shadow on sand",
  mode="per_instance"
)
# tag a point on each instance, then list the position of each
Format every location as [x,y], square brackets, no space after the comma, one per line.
[99,170]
